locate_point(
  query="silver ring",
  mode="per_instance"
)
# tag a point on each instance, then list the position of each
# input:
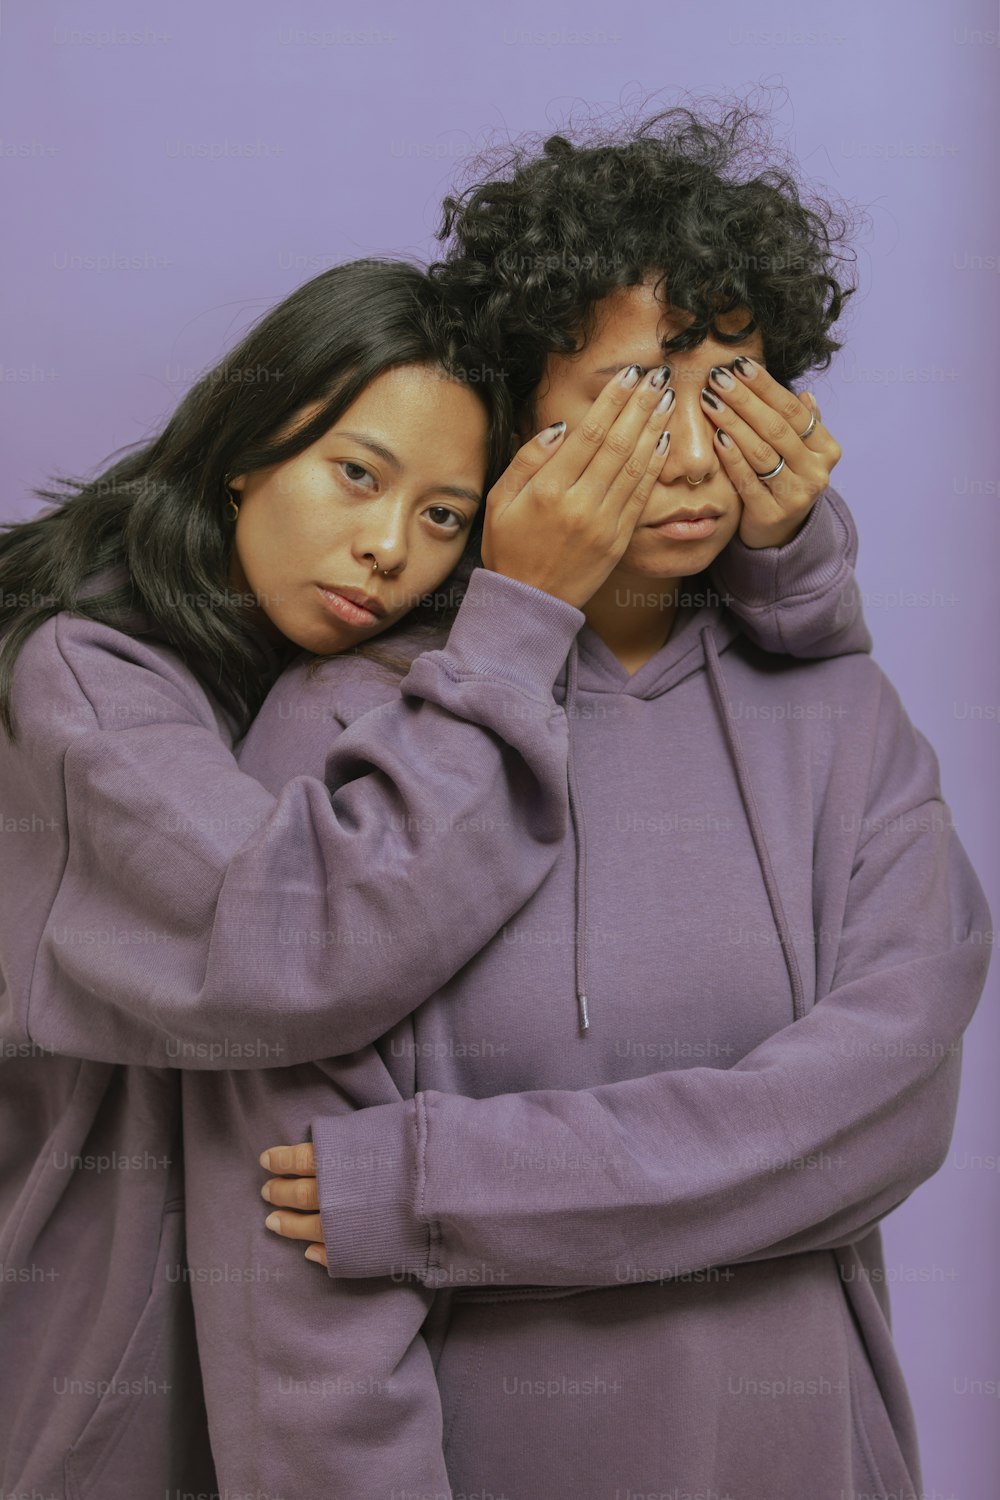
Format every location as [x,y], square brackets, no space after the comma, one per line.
[771,472]
[808,431]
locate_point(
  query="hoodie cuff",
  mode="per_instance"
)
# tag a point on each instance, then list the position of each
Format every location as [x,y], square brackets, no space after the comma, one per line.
[366,1171]
[816,556]
[511,631]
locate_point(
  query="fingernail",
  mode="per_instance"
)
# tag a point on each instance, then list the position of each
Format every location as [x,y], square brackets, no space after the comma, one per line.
[550,435]
[659,377]
[722,378]
[313,1254]
[665,402]
[746,366]
[272,1222]
[724,438]
[265,1159]
[710,400]
[662,443]
[265,1192]
[630,377]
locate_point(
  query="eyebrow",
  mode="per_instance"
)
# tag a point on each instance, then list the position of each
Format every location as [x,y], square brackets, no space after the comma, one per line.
[387,456]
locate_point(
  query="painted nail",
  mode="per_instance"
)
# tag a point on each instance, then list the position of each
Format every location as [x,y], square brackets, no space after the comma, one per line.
[710,400]
[665,402]
[659,377]
[662,443]
[272,1222]
[722,378]
[746,366]
[630,377]
[724,438]
[551,434]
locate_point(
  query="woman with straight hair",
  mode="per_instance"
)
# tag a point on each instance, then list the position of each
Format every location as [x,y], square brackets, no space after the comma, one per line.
[155,895]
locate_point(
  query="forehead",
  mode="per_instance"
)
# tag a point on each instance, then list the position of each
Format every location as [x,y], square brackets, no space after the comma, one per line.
[631,323]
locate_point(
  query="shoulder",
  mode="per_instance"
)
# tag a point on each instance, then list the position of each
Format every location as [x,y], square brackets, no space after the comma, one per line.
[824,690]
[342,687]
[74,676]
[316,698]
[841,717]
[841,711]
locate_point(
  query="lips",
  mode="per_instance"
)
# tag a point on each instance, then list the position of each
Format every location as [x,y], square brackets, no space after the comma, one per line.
[356,596]
[707,512]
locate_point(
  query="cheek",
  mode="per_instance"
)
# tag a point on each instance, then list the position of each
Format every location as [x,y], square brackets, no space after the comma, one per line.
[288,525]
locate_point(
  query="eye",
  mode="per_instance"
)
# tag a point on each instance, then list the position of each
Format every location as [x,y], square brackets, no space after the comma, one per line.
[435,511]
[355,473]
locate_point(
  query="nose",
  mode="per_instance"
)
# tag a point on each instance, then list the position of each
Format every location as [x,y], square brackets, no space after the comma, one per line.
[692,448]
[381,535]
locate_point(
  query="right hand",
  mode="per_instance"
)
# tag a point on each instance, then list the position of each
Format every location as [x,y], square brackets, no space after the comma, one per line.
[562,514]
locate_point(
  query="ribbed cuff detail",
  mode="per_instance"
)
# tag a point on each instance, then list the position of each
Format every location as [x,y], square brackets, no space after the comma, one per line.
[512,631]
[366,1169]
[809,563]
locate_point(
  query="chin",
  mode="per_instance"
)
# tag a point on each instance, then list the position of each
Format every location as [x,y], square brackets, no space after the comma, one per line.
[662,557]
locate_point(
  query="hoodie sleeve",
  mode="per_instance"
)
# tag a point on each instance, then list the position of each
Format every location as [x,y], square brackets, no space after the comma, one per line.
[801,599]
[199,921]
[804,1144]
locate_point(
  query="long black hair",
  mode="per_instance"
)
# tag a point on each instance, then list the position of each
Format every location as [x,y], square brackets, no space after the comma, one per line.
[145,547]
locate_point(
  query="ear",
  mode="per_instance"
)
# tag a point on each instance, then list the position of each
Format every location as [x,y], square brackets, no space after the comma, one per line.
[238,483]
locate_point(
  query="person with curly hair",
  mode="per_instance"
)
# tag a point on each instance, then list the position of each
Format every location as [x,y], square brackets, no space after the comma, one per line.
[645,1139]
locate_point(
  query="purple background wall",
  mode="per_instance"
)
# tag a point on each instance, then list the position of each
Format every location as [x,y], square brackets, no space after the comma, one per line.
[225,152]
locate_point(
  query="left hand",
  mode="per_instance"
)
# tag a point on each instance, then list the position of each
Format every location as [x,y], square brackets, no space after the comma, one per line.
[297,1196]
[763,421]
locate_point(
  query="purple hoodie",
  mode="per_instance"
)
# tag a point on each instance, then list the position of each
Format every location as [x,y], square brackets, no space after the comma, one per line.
[160,910]
[648,1245]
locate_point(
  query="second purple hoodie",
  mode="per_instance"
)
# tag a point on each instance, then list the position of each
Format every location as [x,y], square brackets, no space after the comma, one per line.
[656,1120]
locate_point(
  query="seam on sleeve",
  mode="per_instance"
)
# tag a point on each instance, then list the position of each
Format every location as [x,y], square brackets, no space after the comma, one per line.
[60,626]
[433,1228]
[30,990]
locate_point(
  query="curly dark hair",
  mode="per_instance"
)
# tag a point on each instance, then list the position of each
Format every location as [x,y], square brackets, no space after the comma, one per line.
[698,201]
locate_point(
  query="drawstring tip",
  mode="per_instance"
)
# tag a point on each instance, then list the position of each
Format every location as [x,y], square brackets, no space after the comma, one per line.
[581,1001]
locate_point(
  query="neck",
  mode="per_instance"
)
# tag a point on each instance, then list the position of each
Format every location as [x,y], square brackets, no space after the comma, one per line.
[633,615]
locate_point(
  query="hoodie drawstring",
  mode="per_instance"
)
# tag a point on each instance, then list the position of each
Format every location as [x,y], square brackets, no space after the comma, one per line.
[724,707]
[580,848]
[721,699]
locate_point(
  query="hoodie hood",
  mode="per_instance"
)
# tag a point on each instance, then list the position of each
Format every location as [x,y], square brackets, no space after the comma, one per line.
[701,633]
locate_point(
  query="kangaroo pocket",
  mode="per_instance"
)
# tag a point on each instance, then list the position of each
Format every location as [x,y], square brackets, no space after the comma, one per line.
[738,1382]
[881,1469]
[147,1434]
